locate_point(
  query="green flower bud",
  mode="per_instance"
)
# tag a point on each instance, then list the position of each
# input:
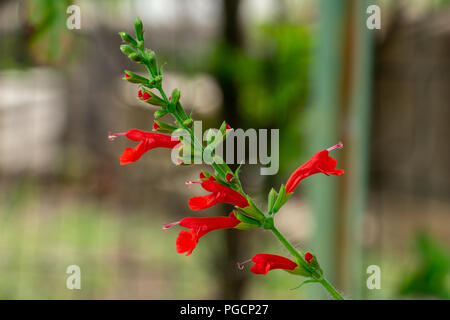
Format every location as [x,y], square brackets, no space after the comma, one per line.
[163,127]
[271,200]
[282,198]
[174,98]
[150,57]
[128,39]
[151,98]
[139,29]
[188,123]
[135,78]
[160,113]
[126,49]
[136,57]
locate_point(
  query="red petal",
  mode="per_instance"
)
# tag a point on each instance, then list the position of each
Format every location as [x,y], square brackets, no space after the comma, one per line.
[266,262]
[186,241]
[200,203]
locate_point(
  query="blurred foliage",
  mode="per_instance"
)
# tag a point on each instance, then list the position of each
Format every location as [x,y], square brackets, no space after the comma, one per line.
[272,79]
[431,276]
[49,40]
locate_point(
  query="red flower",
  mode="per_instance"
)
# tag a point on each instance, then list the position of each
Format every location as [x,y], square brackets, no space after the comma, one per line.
[127,75]
[198,227]
[149,140]
[320,162]
[220,193]
[144,96]
[265,262]
[308,257]
[155,126]
[229,177]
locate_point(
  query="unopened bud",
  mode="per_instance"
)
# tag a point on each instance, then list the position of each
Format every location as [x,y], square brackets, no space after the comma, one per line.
[128,39]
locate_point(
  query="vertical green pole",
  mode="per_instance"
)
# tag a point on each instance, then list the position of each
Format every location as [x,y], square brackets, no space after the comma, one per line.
[358,160]
[322,131]
[340,109]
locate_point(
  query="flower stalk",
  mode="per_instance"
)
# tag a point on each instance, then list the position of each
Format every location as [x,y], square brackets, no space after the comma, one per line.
[224,185]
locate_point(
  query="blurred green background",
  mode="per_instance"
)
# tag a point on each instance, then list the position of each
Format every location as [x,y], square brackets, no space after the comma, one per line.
[309,68]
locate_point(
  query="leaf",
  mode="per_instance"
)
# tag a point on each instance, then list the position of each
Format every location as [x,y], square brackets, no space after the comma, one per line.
[304,282]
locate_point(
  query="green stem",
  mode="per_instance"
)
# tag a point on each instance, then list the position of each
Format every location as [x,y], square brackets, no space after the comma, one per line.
[331,290]
[299,258]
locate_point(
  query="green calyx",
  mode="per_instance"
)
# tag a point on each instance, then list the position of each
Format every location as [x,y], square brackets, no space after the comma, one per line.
[252,210]
[281,199]
[300,271]
[271,200]
[246,222]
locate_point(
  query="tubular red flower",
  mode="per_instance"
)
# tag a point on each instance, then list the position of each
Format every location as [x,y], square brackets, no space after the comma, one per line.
[155,126]
[265,262]
[220,193]
[320,162]
[149,140]
[229,177]
[308,257]
[187,239]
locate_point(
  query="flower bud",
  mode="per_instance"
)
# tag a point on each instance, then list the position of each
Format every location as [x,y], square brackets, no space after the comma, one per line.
[151,98]
[135,78]
[160,113]
[282,198]
[188,122]
[126,49]
[136,57]
[163,127]
[271,200]
[139,28]
[150,58]
[174,100]
[128,39]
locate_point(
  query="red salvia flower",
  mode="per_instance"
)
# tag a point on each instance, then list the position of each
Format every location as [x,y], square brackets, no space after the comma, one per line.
[320,162]
[220,193]
[127,75]
[155,126]
[187,239]
[229,177]
[265,262]
[308,257]
[149,140]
